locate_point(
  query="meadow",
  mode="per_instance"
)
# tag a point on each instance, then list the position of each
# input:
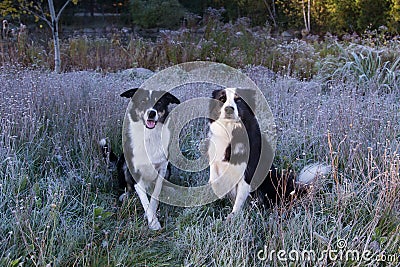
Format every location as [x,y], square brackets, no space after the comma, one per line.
[333,102]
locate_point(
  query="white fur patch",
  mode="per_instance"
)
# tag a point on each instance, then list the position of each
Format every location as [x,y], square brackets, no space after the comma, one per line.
[225,177]
[239,148]
[230,102]
[149,147]
[310,172]
[150,152]
[102,142]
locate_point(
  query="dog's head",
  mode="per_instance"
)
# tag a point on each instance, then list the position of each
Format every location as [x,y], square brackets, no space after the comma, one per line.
[151,107]
[232,104]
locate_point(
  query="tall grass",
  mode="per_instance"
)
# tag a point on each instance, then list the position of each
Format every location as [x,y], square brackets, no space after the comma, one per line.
[372,58]
[371,68]
[58,201]
[235,44]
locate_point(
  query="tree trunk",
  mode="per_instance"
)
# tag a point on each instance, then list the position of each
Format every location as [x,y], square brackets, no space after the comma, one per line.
[56,40]
[91,8]
[304,14]
[271,12]
[309,16]
[57,54]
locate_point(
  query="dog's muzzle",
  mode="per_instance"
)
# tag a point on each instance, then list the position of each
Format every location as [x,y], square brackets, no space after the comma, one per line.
[229,112]
[151,118]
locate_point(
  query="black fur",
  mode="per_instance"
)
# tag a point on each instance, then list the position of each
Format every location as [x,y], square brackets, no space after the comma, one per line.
[143,99]
[250,135]
[158,100]
[276,186]
[125,179]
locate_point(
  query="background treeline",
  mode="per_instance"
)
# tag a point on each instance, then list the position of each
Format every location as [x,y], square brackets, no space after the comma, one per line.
[335,16]
[315,16]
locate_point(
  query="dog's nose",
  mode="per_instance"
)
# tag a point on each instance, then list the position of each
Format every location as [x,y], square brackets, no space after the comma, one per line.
[229,110]
[152,114]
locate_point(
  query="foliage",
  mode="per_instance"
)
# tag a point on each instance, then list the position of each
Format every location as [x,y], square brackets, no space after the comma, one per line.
[370,68]
[343,16]
[373,14]
[234,44]
[340,16]
[7,7]
[336,16]
[156,13]
[45,11]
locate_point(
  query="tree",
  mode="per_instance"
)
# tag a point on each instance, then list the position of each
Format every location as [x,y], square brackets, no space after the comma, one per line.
[395,16]
[156,13]
[48,14]
[7,7]
[271,8]
[373,14]
[342,16]
[306,15]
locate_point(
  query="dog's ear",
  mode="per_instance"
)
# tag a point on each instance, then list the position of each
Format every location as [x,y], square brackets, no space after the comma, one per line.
[248,95]
[215,93]
[171,98]
[129,93]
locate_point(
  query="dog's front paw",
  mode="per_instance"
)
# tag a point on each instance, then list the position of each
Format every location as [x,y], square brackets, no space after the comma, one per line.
[154,225]
[123,197]
[230,216]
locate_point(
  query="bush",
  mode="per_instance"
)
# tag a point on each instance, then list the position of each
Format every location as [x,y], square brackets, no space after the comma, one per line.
[367,67]
[156,13]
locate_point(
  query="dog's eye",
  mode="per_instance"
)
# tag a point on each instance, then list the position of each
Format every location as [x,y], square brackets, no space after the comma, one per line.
[222,98]
[237,98]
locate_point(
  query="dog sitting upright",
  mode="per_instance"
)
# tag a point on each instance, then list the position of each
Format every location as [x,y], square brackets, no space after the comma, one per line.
[146,139]
[234,148]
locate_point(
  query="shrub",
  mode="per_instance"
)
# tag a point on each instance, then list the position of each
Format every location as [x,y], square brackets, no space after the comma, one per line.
[156,13]
[370,68]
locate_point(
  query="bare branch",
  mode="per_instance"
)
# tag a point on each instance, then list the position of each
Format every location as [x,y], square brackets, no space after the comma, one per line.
[62,9]
[272,14]
[40,15]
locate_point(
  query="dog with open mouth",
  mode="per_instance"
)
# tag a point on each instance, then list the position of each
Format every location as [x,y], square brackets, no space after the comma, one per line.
[145,144]
[234,148]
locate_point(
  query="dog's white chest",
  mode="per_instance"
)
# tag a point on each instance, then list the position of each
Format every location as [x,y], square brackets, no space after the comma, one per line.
[224,176]
[149,146]
[220,137]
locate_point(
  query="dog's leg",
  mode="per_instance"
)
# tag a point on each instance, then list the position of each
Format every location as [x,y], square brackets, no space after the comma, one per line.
[150,214]
[154,200]
[242,192]
[213,173]
[215,181]
[157,189]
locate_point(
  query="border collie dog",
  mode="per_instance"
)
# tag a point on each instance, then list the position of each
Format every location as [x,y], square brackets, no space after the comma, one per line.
[146,145]
[234,148]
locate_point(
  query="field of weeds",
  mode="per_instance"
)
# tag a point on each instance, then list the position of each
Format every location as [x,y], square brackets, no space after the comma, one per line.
[59,202]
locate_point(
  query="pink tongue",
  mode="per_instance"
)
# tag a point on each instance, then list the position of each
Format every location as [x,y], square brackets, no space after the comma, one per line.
[150,124]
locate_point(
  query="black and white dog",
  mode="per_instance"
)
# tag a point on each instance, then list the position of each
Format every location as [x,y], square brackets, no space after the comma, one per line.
[234,148]
[146,146]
